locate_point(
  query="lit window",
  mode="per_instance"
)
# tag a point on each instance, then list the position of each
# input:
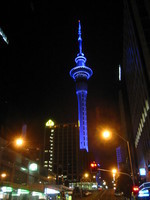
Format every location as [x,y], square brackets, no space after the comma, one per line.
[145,112]
[147,105]
[143,117]
[52,130]
[142,123]
[46,151]
[45,161]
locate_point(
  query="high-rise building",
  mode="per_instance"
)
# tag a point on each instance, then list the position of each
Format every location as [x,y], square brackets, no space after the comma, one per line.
[61,151]
[81,73]
[136,69]
[121,159]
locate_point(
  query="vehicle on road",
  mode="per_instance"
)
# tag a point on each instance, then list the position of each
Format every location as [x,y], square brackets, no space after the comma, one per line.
[144,192]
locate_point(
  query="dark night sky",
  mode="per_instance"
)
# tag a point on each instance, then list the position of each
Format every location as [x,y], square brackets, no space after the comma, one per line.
[34,80]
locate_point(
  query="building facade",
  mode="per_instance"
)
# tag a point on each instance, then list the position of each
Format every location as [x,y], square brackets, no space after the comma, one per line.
[136,69]
[61,151]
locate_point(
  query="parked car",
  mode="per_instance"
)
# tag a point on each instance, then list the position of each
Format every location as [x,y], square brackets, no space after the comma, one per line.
[144,192]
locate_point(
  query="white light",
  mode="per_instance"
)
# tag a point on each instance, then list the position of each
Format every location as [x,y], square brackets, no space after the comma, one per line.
[51,191]
[23,169]
[119,73]
[142,172]
[143,193]
[33,167]
[22,191]
[6,189]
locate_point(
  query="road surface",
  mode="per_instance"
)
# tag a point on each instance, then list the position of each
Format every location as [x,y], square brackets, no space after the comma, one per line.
[101,195]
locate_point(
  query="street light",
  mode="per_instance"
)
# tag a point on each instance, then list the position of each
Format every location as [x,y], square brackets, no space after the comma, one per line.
[114,171]
[106,135]
[17,142]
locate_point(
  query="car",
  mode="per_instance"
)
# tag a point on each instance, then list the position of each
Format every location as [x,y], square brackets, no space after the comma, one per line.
[144,191]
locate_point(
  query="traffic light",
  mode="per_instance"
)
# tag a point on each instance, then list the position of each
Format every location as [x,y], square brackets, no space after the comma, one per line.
[93,166]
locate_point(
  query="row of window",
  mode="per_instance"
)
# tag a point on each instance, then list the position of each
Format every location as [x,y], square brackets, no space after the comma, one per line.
[142,122]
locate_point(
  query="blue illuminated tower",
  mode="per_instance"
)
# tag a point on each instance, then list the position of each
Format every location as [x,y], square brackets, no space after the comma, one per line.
[81,73]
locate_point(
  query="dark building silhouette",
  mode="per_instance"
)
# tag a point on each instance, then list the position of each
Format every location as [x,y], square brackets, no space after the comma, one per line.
[136,70]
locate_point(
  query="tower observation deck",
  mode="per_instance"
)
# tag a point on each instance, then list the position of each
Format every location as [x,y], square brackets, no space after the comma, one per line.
[81,73]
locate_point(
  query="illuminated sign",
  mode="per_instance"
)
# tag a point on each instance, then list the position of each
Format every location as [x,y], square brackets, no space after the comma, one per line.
[49,123]
[51,191]
[33,167]
[22,191]
[6,189]
[142,172]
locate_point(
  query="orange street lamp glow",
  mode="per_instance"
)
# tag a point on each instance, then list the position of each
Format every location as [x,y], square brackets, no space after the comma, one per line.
[106,134]
[19,142]
[3,175]
[86,175]
[114,171]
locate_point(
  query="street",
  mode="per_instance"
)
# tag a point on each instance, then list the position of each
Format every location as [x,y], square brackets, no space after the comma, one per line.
[101,195]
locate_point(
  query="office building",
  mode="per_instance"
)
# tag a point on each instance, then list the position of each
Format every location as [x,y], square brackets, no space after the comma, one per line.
[136,69]
[121,159]
[61,151]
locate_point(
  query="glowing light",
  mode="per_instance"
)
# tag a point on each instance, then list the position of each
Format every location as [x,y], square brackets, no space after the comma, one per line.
[23,169]
[119,73]
[19,142]
[93,164]
[143,193]
[135,188]
[106,134]
[142,172]
[114,171]
[22,191]
[81,73]
[51,191]
[49,123]
[33,167]
[3,175]
[6,189]
[86,175]
[4,36]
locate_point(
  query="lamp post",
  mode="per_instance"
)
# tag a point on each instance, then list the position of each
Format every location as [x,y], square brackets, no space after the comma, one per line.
[106,134]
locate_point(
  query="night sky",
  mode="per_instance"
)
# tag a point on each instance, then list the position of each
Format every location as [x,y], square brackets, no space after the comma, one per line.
[35,83]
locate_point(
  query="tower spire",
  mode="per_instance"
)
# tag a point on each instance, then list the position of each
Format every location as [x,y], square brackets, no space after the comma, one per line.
[79,38]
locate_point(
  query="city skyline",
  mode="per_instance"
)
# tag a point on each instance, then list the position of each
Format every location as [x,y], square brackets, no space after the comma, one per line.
[36,86]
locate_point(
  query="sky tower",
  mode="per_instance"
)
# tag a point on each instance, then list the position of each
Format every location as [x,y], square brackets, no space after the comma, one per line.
[81,73]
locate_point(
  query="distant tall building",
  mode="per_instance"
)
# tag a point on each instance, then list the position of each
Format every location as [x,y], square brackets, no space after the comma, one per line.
[61,151]
[81,73]
[136,69]
[121,159]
